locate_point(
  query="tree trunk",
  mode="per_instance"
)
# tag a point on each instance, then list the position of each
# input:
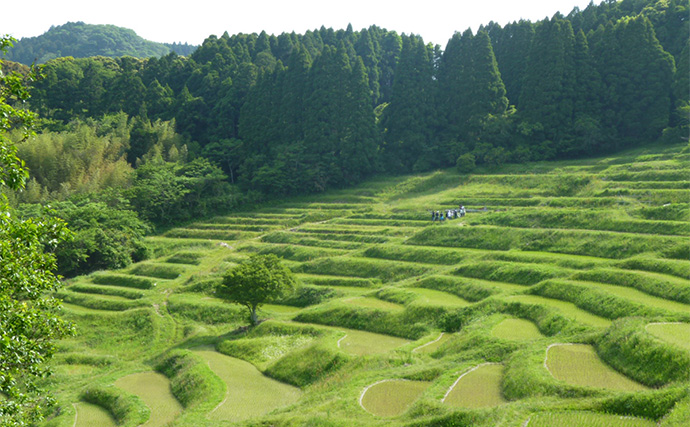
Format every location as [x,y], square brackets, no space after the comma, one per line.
[253,316]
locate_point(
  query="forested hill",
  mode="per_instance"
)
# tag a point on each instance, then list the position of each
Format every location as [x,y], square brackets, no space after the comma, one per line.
[298,113]
[81,40]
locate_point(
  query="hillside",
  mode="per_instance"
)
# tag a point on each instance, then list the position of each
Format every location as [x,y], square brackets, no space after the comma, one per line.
[561,298]
[80,40]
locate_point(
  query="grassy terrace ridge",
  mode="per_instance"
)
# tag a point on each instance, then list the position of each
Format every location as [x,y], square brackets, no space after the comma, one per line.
[403,321]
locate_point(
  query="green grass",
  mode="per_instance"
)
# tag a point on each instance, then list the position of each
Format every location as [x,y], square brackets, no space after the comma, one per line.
[154,390]
[585,419]
[477,388]
[389,398]
[579,365]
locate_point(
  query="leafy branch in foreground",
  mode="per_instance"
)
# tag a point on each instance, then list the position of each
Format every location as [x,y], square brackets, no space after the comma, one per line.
[29,321]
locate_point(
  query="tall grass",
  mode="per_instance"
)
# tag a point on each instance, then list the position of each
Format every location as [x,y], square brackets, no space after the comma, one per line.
[159,271]
[410,254]
[593,300]
[191,380]
[127,410]
[466,289]
[678,268]
[367,319]
[308,365]
[362,267]
[106,290]
[511,272]
[121,280]
[599,244]
[671,288]
[630,349]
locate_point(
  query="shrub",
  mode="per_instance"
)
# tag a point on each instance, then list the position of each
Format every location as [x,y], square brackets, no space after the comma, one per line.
[466,163]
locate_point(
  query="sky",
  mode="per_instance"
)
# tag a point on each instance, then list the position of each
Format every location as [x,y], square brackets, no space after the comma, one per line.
[192,21]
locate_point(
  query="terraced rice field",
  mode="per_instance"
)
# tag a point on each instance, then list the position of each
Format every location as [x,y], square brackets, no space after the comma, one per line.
[477,388]
[516,330]
[154,389]
[88,415]
[249,393]
[389,398]
[395,311]
[578,364]
[675,333]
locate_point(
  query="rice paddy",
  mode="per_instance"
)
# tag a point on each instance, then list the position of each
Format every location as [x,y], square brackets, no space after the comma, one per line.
[404,321]
[477,388]
[362,343]
[675,333]
[89,415]
[579,365]
[389,398]
[248,393]
[516,330]
[154,390]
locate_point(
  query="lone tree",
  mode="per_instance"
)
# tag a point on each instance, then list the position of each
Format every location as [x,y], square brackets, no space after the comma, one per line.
[260,279]
[29,321]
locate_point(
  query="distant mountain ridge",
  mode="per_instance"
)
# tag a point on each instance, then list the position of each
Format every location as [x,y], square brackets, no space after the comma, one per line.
[82,40]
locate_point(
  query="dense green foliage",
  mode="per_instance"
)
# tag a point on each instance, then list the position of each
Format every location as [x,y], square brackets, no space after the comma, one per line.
[82,40]
[293,113]
[29,314]
[260,279]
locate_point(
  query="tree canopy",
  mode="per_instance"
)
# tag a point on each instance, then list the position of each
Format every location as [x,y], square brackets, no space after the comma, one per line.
[260,279]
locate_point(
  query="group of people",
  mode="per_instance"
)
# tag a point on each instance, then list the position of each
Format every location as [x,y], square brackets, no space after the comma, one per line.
[448,214]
